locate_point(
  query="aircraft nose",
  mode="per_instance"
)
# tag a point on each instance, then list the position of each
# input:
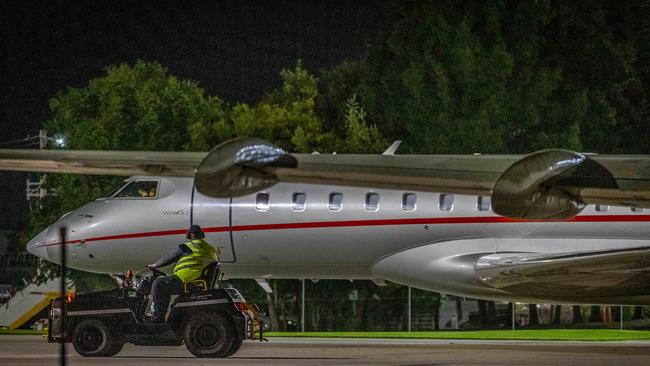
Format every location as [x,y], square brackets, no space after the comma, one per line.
[37,246]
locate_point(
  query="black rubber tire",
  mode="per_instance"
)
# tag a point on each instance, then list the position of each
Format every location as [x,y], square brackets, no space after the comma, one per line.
[115,349]
[209,335]
[236,344]
[92,338]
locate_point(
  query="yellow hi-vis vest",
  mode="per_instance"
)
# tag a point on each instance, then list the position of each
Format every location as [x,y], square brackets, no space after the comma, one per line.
[190,266]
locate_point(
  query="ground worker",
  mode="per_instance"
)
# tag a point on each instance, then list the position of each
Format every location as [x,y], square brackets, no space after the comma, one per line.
[192,257]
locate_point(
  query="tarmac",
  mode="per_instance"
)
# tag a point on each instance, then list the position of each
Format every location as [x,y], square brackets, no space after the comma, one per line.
[34,350]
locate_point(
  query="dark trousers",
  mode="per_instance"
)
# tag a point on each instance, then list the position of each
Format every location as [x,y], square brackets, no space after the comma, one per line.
[162,290]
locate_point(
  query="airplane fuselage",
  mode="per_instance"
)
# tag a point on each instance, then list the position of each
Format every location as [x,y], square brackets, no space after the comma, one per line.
[423,239]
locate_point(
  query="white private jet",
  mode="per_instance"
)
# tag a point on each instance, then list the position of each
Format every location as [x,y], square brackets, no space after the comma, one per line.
[554,225]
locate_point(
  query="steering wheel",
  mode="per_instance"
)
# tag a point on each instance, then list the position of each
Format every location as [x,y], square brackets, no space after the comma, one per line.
[155,272]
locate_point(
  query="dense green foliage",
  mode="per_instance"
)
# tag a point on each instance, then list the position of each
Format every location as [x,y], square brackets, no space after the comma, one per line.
[507,76]
[470,79]
[445,77]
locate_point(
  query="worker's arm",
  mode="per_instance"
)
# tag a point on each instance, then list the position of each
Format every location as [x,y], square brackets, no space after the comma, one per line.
[172,256]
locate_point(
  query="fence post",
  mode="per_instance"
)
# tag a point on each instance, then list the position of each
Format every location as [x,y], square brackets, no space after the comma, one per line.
[514,304]
[63,289]
[621,312]
[409,309]
[302,307]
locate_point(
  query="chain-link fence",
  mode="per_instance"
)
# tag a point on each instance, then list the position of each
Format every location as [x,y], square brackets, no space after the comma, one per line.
[339,305]
[333,305]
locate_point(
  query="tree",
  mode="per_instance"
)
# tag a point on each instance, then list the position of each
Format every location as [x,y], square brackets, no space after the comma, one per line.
[335,87]
[595,316]
[510,76]
[602,48]
[638,313]
[492,313]
[286,116]
[459,309]
[449,78]
[138,107]
[557,314]
[533,316]
[360,138]
[577,314]
[510,310]
[437,304]
[487,312]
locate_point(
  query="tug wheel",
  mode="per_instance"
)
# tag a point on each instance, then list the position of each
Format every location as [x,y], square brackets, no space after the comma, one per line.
[92,338]
[236,344]
[209,335]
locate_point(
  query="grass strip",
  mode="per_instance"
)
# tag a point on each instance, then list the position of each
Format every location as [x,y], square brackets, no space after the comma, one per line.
[528,335]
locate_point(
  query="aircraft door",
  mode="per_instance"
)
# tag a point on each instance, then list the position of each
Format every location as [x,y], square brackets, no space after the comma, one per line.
[213,215]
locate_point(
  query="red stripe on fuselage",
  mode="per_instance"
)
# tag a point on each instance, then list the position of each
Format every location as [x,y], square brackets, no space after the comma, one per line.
[383,222]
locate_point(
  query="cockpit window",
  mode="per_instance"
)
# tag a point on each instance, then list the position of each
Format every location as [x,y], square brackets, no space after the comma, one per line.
[115,190]
[139,189]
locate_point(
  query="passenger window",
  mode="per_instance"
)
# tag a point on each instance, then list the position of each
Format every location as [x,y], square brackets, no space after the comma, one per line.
[298,201]
[483,203]
[446,202]
[262,202]
[336,201]
[139,189]
[602,208]
[637,209]
[408,201]
[372,202]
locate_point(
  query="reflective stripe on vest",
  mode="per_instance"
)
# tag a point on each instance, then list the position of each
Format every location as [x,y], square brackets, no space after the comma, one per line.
[190,266]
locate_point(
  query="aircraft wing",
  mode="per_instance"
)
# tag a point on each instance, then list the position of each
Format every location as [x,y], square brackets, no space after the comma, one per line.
[121,163]
[548,184]
[607,273]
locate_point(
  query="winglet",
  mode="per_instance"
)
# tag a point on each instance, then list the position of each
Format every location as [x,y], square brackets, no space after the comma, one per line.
[391,150]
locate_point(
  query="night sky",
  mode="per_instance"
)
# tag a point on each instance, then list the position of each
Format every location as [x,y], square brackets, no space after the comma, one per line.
[234,49]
